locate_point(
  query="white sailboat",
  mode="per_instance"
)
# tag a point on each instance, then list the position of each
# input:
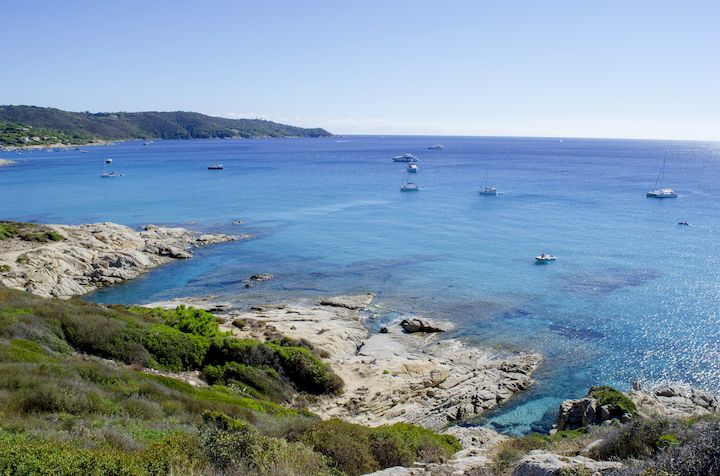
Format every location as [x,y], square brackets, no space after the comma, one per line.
[487,190]
[108,173]
[663,192]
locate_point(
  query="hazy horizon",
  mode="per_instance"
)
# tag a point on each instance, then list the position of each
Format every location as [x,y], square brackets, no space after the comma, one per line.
[646,70]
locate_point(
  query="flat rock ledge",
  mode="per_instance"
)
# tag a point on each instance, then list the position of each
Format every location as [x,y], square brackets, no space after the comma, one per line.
[394,377]
[542,463]
[93,256]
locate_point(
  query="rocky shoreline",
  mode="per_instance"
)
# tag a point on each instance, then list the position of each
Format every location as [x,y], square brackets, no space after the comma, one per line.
[391,376]
[80,259]
[5,162]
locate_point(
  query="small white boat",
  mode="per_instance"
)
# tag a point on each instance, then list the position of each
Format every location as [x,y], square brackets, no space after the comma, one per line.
[215,167]
[543,258]
[662,193]
[110,174]
[413,168]
[409,187]
[405,158]
[108,161]
[436,147]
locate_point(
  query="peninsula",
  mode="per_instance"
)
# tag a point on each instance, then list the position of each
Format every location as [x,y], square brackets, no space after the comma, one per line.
[22,126]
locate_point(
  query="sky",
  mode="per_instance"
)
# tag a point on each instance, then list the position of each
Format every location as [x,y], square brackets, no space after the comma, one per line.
[632,68]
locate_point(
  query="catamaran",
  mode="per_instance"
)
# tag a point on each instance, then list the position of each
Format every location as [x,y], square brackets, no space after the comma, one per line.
[487,190]
[664,192]
[405,158]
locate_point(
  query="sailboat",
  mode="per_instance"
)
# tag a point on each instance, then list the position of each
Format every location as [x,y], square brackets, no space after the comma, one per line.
[108,173]
[487,190]
[662,192]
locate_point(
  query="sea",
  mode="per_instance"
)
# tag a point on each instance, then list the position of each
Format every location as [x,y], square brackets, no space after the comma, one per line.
[632,295]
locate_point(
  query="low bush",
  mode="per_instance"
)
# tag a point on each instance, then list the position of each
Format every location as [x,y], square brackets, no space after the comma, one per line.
[356,449]
[300,366]
[618,402]
[263,382]
[175,350]
[185,319]
[637,439]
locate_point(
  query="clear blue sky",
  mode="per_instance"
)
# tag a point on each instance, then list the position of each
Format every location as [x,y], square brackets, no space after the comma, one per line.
[646,69]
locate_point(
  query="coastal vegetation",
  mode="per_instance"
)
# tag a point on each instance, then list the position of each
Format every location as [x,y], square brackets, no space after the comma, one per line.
[31,125]
[90,389]
[28,232]
[646,445]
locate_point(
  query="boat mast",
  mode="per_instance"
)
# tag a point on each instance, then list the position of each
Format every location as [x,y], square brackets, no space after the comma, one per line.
[661,175]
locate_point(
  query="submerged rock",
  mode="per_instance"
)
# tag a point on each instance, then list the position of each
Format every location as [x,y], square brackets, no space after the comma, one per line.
[410,326]
[261,277]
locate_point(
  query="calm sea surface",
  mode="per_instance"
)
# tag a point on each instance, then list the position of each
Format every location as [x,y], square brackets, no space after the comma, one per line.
[633,295]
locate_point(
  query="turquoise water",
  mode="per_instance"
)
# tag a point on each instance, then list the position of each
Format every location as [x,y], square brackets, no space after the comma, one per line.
[632,295]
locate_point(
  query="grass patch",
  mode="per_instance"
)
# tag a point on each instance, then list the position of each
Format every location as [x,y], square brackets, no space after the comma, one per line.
[618,402]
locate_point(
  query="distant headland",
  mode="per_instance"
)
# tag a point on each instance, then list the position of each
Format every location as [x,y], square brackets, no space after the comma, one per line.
[26,126]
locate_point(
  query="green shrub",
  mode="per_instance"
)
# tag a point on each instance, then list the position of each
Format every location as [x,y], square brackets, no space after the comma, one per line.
[185,319]
[232,445]
[357,449]
[175,350]
[105,336]
[24,455]
[637,439]
[264,382]
[618,402]
[4,268]
[21,350]
[300,366]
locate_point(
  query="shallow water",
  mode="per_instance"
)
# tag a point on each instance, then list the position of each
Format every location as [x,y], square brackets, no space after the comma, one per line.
[632,295]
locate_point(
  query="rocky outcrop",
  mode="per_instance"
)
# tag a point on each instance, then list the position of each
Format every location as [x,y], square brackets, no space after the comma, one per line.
[410,326]
[93,256]
[4,162]
[601,404]
[675,401]
[261,277]
[394,377]
[542,463]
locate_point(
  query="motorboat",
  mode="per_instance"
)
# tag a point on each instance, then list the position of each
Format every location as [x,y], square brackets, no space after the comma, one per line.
[436,147]
[108,161]
[413,168]
[543,258]
[405,158]
[111,174]
[409,187]
[215,167]
[662,193]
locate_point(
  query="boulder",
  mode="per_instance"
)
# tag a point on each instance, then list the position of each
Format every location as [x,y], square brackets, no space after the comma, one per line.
[542,463]
[576,414]
[418,325]
[261,277]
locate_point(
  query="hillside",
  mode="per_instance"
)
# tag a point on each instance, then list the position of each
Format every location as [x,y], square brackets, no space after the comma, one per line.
[18,122]
[94,390]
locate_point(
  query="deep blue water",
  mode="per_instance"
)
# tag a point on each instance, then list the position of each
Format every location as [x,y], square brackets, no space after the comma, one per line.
[632,295]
